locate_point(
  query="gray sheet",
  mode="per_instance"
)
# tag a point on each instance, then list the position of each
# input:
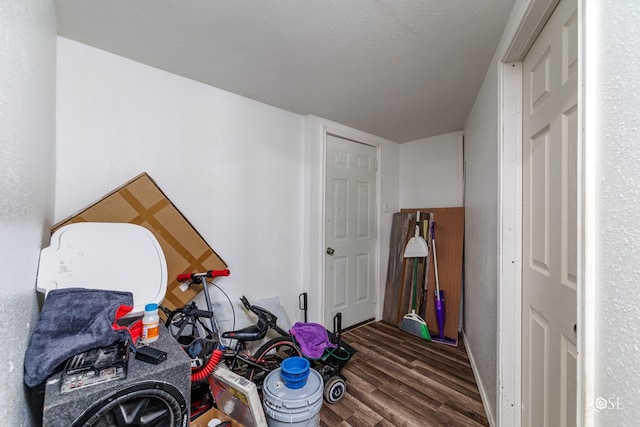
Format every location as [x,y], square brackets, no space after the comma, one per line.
[72,321]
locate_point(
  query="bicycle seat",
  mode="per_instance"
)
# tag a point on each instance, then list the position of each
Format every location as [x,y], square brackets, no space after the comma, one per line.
[250,333]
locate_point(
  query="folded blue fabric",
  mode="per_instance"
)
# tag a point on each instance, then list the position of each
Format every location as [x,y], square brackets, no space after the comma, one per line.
[312,338]
[72,321]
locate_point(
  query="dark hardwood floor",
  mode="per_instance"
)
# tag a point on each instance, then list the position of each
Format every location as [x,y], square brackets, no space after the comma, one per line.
[397,379]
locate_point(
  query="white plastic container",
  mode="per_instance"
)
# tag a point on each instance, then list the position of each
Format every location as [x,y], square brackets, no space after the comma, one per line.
[150,323]
[101,255]
[284,406]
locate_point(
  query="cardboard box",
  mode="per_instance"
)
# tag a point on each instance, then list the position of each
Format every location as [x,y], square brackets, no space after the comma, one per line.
[212,413]
[140,201]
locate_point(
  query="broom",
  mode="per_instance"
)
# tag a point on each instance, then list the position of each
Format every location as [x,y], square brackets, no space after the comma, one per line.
[416,248]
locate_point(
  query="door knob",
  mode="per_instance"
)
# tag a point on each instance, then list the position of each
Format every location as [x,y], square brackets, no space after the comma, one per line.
[330,251]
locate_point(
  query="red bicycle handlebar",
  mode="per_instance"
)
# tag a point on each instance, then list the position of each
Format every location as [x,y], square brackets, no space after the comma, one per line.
[210,274]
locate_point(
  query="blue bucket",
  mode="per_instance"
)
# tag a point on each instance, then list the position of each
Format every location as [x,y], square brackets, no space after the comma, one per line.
[294,371]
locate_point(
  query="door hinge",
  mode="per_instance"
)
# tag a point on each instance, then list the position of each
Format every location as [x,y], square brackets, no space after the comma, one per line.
[376,166]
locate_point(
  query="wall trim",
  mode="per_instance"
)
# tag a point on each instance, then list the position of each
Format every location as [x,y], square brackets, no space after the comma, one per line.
[529,21]
[587,172]
[535,17]
[510,240]
[461,173]
[481,389]
[313,268]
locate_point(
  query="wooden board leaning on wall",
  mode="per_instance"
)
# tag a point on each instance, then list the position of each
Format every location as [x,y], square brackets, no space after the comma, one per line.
[449,233]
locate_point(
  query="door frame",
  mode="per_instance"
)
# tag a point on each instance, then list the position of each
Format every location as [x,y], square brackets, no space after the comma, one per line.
[533,16]
[314,210]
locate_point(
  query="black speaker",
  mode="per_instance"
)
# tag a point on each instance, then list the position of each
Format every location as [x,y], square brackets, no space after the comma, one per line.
[151,394]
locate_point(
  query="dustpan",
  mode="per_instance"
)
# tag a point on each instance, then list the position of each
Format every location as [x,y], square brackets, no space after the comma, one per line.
[417,246]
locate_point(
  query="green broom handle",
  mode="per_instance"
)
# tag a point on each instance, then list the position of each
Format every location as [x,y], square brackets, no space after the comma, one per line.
[415,279]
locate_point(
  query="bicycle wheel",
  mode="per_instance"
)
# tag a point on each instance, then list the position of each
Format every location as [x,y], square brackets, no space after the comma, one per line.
[269,357]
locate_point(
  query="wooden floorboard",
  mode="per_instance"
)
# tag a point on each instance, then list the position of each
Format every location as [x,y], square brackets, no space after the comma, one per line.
[397,379]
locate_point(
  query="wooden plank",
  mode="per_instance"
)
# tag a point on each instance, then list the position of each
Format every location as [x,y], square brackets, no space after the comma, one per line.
[449,233]
[395,269]
[420,284]
[404,301]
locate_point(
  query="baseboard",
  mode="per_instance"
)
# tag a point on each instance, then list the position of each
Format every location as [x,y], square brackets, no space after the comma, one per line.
[481,389]
[358,325]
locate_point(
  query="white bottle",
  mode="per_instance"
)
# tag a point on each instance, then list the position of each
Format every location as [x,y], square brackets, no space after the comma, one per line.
[150,323]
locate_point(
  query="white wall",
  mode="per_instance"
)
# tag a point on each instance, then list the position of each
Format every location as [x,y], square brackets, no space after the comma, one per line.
[245,174]
[612,211]
[484,226]
[480,253]
[27,165]
[431,174]
[233,166]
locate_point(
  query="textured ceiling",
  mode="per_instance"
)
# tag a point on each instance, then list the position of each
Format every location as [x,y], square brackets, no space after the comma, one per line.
[402,70]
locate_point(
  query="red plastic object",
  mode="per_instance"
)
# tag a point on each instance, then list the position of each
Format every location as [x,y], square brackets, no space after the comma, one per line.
[211,274]
[203,373]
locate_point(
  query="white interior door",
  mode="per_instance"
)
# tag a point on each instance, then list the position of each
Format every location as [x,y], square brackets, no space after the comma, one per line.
[549,300]
[350,231]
